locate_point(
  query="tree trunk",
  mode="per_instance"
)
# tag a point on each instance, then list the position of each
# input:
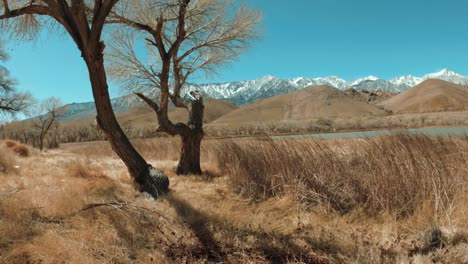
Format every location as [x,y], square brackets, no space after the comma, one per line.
[138,168]
[189,162]
[41,143]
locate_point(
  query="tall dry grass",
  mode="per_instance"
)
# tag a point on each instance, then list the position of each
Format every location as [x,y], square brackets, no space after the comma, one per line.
[397,174]
[16,147]
[9,152]
[86,209]
[7,160]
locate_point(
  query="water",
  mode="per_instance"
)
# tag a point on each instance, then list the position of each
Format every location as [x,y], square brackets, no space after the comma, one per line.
[431,131]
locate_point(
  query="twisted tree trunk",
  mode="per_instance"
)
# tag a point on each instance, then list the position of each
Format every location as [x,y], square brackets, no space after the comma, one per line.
[139,169]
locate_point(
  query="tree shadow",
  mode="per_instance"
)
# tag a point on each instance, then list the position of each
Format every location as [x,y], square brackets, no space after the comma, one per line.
[198,223]
[273,247]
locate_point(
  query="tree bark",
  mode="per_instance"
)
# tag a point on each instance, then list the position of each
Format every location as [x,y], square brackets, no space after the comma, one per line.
[138,168]
[41,143]
[189,162]
[191,138]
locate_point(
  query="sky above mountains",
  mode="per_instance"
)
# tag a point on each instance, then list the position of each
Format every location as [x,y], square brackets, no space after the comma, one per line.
[350,39]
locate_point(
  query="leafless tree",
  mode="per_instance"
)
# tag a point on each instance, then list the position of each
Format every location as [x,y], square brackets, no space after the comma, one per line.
[84,21]
[69,135]
[47,114]
[11,101]
[183,37]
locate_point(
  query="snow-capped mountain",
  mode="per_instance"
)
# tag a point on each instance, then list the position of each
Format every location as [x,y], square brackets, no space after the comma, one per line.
[333,81]
[448,75]
[248,91]
[369,78]
[243,92]
[406,81]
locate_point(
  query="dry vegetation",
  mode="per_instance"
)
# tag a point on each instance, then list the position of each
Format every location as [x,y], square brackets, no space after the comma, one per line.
[338,124]
[392,199]
[391,174]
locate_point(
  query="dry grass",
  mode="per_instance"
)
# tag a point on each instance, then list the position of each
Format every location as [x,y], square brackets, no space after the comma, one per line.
[336,124]
[10,143]
[21,150]
[18,148]
[86,209]
[7,160]
[392,174]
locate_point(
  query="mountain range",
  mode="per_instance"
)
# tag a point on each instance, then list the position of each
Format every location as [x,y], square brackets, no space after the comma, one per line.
[245,92]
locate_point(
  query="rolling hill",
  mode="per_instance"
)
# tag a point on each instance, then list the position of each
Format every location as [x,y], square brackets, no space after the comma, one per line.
[432,95]
[142,116]
[311,102]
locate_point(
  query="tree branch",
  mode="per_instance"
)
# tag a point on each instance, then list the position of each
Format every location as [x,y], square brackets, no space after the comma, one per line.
[101,11]
[150,102]
[117,19]
[6,6]
[27,10]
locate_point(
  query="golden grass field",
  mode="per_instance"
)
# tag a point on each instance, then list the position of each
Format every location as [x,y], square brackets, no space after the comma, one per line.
[393,199]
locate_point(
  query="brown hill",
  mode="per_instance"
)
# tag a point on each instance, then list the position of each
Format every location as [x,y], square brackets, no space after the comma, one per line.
[369,96]
[432,95]
[144,116]
[307,103]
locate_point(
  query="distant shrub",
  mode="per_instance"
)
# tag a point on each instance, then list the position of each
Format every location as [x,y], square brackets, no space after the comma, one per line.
[7,160]
[17,148]
[10,143]
[325,122]
[21,150]
[53,144]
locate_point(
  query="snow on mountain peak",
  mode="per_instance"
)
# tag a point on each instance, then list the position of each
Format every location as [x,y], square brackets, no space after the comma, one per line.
[408,80]
[266,86]
[330,78]
[248,91]
[368,78]
[443,73]
[267,78]
[334,81]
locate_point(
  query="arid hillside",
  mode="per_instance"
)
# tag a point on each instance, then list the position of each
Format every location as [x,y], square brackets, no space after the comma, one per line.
[311,102]
[145,116]
[432,95]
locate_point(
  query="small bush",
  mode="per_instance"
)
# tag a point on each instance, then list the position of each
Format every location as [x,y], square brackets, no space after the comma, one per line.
[21,150]
[7,160]
[53,144]
[10,143]
[325,122]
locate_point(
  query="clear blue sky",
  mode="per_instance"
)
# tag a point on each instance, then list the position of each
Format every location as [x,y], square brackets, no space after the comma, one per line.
[308,38]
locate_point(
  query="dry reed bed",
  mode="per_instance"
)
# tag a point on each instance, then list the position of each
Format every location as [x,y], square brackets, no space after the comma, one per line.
[396,174]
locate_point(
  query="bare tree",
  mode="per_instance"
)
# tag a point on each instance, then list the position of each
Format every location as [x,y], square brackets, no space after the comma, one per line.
[48,112]
[183,37]
[84,22]
[11,101]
